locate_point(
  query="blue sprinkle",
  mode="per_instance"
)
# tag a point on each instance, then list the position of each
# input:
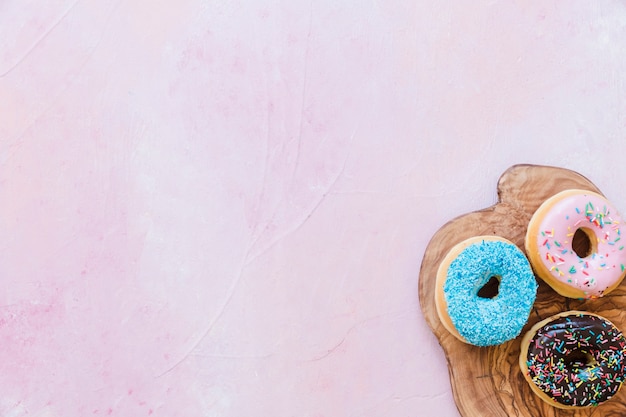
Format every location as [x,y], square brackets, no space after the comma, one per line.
[484,321]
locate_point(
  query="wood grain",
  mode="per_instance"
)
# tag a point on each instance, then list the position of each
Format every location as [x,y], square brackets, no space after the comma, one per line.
[488,381]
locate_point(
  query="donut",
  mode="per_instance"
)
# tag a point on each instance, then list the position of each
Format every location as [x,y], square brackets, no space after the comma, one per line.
[574,244]
[485,289]
[574,359]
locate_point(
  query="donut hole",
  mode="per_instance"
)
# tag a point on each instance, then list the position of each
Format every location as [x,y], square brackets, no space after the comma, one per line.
[584,242]
[491,288]
[578,359]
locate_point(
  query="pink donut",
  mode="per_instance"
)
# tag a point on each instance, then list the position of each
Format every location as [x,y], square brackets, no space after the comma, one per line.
[574,244]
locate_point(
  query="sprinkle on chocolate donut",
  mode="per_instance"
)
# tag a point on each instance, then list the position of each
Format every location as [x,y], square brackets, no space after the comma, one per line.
[577,359]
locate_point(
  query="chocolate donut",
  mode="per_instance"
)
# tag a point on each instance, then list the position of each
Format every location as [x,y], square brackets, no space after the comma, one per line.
[574,359]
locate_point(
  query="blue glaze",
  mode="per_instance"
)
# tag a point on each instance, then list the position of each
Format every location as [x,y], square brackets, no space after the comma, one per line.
[489,321]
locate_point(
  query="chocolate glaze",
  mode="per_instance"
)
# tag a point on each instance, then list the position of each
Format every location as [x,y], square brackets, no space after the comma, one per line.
[578,360]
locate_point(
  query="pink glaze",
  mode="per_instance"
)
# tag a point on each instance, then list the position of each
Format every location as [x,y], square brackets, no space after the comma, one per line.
[604,266]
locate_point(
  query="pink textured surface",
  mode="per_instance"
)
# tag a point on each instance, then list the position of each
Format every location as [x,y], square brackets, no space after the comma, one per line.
[220,208]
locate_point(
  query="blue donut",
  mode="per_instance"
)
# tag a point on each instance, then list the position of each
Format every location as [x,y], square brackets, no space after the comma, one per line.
[484,321]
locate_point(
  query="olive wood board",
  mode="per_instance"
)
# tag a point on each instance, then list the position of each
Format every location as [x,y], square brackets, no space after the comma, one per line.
[487,381]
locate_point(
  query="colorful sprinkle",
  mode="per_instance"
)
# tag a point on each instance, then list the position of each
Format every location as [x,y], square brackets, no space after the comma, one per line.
[592,214]
[577,382]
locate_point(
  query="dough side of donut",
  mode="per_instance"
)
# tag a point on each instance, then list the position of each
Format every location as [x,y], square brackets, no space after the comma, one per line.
[525,343]
[532,248]
[442,273]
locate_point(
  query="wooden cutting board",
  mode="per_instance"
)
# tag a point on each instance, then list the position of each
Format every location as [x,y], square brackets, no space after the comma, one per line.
[487,381]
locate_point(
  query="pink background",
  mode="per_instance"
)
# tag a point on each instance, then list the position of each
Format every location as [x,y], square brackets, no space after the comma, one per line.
[219,208]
